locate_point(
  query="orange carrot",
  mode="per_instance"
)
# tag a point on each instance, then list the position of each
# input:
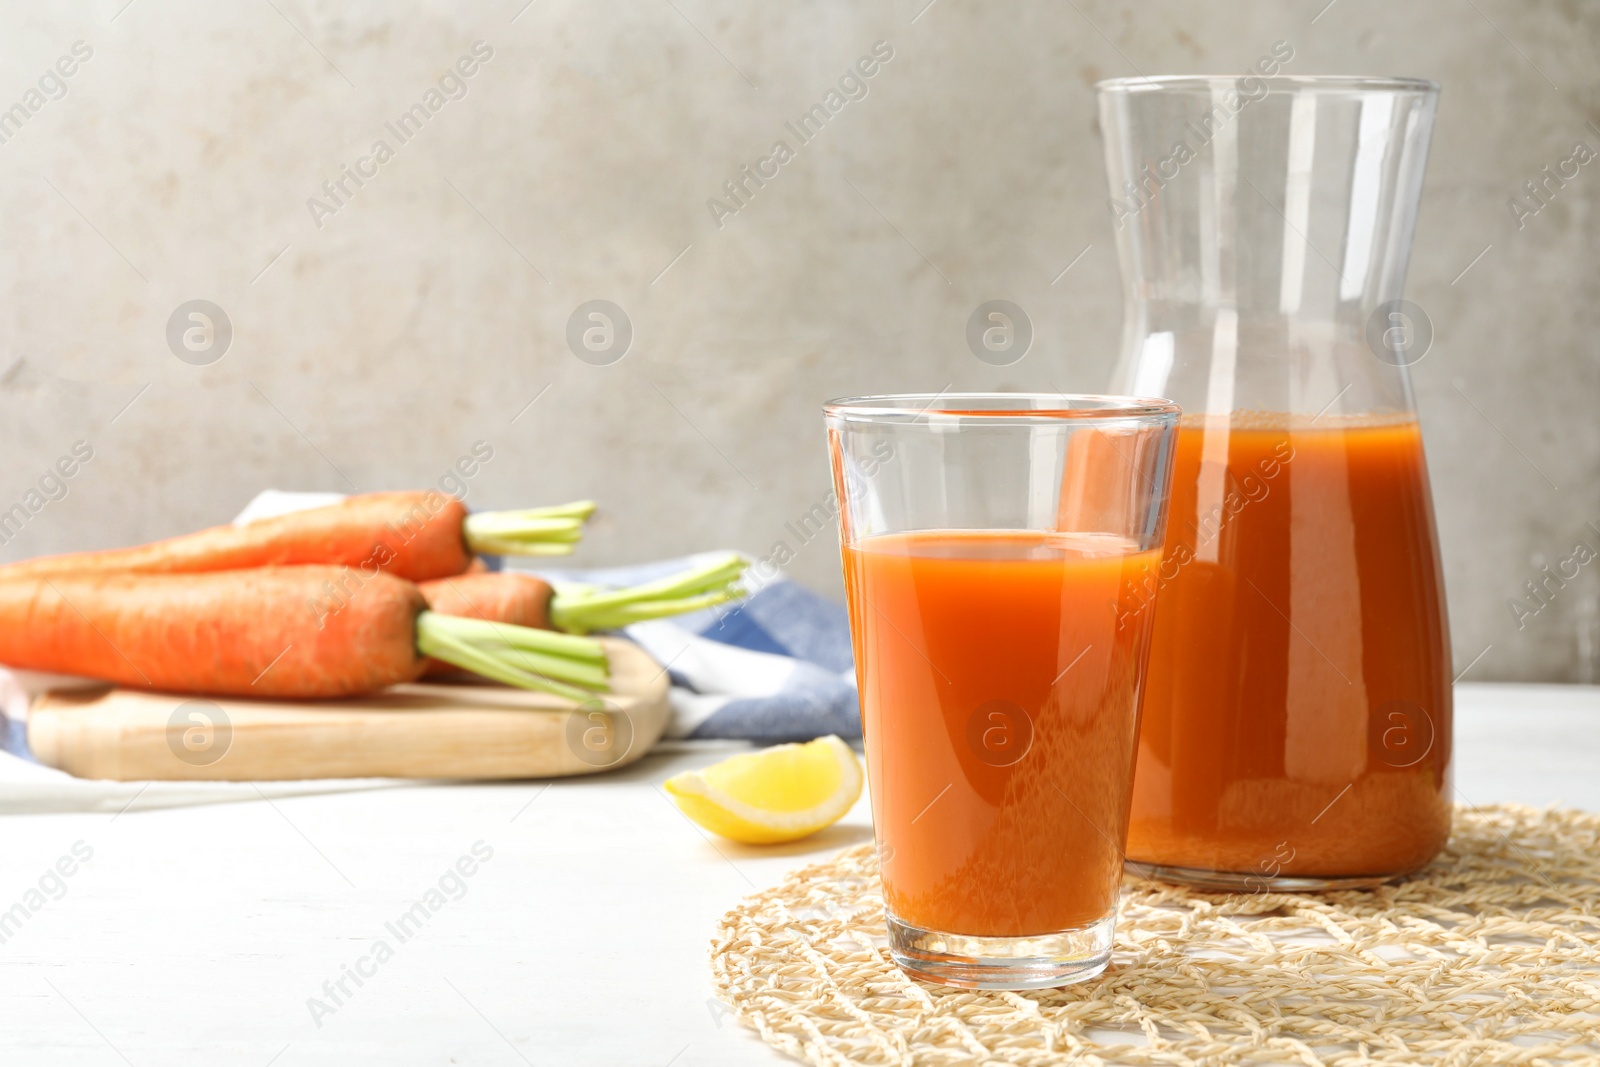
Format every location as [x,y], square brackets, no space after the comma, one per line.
[256,633]
[411,535]
[503,596]
[520,599]
[524,600]
[414,535]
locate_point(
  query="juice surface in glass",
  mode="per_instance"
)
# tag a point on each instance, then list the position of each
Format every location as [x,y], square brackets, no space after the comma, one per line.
[999,675]
[1296,718]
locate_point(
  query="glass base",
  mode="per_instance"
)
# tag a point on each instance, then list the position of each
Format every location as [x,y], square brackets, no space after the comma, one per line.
[1039,961]
[1243,882]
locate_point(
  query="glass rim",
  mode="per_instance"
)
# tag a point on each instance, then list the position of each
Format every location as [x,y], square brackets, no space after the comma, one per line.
[1000,407]
[1312,82]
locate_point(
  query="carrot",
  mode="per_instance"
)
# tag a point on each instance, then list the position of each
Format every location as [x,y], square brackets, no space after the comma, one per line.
[258,633]
[414,535]
[503,596]
[519,599]
[524,600]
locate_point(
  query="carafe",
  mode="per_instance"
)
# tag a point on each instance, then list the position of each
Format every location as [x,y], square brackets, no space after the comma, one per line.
[1296,726]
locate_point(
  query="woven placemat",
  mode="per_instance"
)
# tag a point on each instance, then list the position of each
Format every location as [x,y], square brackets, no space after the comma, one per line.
[1490,956]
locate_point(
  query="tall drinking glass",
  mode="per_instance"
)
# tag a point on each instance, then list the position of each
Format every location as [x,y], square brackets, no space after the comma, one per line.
[998,552]
[1297,719]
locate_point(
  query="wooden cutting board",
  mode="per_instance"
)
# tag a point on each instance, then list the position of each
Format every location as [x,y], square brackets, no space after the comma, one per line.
[422,730]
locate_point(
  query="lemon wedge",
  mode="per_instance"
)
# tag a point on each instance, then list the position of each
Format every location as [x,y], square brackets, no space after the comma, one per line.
[778,794]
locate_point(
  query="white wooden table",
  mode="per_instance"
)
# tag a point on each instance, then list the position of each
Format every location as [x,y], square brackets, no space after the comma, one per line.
[198,935]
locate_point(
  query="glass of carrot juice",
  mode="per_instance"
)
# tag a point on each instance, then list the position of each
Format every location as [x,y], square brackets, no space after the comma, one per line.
[997,551]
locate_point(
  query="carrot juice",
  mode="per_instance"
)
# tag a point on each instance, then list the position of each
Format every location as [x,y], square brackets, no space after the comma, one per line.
[999,675]
[1296,718]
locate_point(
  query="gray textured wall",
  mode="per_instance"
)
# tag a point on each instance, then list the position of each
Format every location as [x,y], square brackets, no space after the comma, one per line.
[430,307]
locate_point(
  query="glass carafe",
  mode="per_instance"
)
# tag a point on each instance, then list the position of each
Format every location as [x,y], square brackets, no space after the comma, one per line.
[1296,728]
